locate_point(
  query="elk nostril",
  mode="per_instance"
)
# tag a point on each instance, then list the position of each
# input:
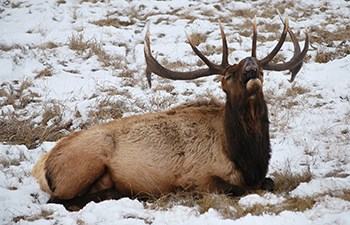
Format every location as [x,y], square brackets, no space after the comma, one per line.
[248,68]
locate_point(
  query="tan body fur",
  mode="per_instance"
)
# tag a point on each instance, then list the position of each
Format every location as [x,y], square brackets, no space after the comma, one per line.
[204,146]
[150,154]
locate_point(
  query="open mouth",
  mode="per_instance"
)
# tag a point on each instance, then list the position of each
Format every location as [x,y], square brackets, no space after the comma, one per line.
[248,75]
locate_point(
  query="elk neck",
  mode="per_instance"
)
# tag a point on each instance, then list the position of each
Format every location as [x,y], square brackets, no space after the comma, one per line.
[247,143]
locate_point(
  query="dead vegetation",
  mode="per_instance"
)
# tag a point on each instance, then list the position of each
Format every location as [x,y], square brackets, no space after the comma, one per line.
[114,22]
[18,94]
[106,109]
[231,208]
[287,180]
[19,126]
[91,47]
[44,214]
[46,72]
[17,130]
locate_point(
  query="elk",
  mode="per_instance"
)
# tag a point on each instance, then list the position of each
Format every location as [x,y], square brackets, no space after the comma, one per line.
[204,146]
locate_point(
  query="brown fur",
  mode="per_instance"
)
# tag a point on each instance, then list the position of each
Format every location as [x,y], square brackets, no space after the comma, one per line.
[143,155]
[205,146]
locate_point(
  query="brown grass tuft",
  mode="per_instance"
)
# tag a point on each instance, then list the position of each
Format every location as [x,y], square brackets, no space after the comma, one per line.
[287,181]
[46,72]
[106,109]
[114,22]
[44,214]
[18,94]
[296,90]
[18,127]
[229,208]
[197,38]
[174,65]
[18,131]
[6,48]
[245,13]
[89,48]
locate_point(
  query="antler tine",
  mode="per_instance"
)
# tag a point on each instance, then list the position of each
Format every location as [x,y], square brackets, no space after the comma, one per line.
[148,56]
[200,54]
[224,62]
[255,34]
[274,52]
[211,65]
[295,63]
[153,66]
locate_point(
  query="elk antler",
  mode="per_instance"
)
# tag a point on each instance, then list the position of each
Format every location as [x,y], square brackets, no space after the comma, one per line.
[295,63]
[153,66]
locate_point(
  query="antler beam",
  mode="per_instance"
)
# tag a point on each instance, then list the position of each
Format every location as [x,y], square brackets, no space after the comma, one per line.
[153,66]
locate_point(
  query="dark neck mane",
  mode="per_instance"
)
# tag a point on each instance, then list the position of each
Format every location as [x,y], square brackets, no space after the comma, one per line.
[247,138]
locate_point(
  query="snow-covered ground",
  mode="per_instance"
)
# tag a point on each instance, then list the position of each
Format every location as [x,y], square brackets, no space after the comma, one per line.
[310,118]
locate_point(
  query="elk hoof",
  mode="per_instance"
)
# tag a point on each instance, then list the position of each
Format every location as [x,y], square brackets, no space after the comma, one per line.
[235,191]
[268,184]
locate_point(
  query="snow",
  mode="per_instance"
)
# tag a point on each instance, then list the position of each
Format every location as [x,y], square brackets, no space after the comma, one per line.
[313,134]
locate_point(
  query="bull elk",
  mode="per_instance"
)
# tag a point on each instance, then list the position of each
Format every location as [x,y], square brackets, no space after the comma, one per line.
[205,146]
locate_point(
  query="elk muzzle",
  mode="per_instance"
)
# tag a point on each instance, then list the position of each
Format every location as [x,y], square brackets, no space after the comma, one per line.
[251,74]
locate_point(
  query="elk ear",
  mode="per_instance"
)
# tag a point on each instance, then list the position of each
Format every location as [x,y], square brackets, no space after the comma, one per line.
[224,84]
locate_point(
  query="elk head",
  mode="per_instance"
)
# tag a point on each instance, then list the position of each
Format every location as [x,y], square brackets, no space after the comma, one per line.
[244,78]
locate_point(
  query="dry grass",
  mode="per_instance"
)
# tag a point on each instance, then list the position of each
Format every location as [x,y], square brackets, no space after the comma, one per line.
[245,13]
[46,72]
[318,34]
[18,94]
[287,181]
[17,130]
[89,48]
[6,48]
[287,100]
[197,38]
[59,2]
[328,49]
[106,109]
[18,126]
[295,90]
[177,65]
[44,214]
[114,22]
[229,208]
[323,56]
[165,87]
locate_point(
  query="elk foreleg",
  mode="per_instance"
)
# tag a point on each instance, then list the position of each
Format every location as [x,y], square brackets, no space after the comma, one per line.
[78,203]
[229,189]
[268,184]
